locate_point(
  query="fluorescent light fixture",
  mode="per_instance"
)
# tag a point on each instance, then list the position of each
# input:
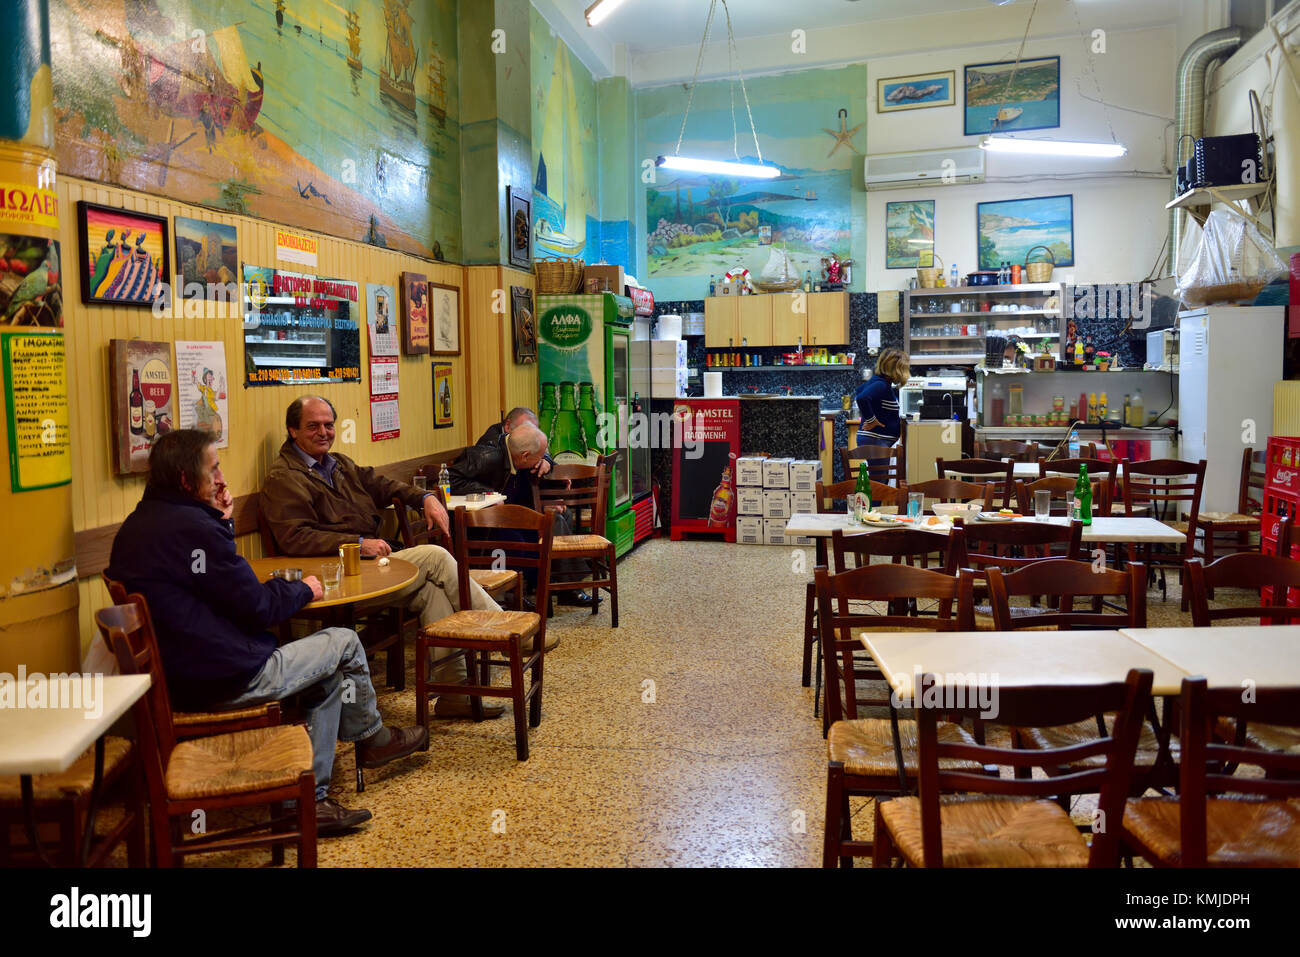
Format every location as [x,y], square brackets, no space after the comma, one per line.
[1007,144]
[601,9]
[717,166]
[920,242]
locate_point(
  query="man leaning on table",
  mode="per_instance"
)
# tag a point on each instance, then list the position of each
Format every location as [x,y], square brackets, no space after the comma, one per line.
[212,615]
[316,500]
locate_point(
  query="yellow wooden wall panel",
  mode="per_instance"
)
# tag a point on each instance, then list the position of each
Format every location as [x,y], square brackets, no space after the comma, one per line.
[256,415]
[519,382]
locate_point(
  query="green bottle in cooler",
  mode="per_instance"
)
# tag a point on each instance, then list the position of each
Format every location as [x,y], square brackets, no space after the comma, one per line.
[546,414]
[862,495]
[567,445]
[587,415]
[1083,497]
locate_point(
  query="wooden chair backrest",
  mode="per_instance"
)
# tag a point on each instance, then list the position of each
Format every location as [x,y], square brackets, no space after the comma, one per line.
[837,618]
[486,550]
[1155,487]
[1095,467]
[583,490]
[1059,486]
[1201,763]
[1038,706]
[1250,499]
[1066,579]
[889,464]
[1249,570]
[898,544]
[1007,449]
[976,545]
[994,468]
[431,468]
[128,631]
[270,548]
[881,494]
[955,490]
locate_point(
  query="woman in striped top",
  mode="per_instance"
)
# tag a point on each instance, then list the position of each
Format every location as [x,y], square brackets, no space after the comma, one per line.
[877,399]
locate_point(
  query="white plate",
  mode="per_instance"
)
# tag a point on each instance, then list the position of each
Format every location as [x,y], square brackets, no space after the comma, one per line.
[884,522]
[995,517]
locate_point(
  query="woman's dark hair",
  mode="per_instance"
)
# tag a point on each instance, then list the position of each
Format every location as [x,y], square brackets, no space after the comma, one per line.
[177,459]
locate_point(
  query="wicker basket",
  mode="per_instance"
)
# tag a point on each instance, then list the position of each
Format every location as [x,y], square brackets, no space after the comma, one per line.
[927,277]
[1040,271]
[558,277]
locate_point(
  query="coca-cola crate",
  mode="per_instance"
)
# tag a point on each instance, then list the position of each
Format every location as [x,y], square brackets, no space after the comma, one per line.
[1268,545]
[1282,464]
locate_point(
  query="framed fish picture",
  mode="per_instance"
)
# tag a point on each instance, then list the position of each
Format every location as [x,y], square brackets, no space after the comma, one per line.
[123,256]
[1004,97]
[918,92]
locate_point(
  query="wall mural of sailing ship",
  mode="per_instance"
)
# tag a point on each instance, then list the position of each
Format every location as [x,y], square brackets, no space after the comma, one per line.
[561,193]
[268,102]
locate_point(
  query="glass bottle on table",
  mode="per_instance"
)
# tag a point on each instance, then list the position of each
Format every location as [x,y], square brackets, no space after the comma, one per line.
[1082,508]
[444,482]
[862,495]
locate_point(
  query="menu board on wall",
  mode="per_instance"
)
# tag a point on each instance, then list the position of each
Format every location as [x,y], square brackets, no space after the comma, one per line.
[140,376]
[300,329]
[36,404]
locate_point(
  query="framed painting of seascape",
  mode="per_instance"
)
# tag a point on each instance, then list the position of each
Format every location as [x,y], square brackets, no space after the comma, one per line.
[1009,228]
[909,234]
[998,101]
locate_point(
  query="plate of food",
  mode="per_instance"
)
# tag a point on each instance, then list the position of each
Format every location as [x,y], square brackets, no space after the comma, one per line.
[881,520]
[1001,515]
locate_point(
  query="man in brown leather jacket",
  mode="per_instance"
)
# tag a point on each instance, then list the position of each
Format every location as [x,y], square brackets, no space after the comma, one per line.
[315,501]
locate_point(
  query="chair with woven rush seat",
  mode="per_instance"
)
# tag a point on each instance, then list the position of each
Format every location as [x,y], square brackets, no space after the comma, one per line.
[383,628]
[198,724]
[827,495]
[1208,825]
[64,799]
[474,633]
[259,766]
[869,757]
[884,465]
[495,581]
[1150,488]
[1230,533]
[1008,546]
[583,491]
[993,470]
[1015,825]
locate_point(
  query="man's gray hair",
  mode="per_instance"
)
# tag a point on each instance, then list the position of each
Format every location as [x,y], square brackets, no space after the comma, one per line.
[528,438]
[518,415]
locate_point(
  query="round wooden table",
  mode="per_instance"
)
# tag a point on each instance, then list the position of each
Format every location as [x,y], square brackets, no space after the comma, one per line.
[375,580]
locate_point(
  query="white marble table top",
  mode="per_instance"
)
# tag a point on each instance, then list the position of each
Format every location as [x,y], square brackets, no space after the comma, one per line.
[46,739]
[1103,530]
[1228,656]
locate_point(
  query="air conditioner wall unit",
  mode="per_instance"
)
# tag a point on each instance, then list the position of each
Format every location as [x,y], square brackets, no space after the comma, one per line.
[950,167]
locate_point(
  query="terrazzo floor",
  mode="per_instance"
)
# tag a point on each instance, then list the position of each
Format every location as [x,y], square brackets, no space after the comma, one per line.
[681,738]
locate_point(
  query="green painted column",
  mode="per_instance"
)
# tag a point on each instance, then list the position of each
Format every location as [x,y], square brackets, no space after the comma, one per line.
[38,580]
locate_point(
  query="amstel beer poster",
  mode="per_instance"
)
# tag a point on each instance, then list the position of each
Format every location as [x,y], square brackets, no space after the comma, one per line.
[140,374]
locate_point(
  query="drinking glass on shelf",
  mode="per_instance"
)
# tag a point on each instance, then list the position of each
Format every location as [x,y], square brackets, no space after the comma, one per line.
[330,575]
[915,503]
[1042,504]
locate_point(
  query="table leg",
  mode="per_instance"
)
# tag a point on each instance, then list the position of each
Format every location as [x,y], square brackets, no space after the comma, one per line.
[94,801]
[29,819]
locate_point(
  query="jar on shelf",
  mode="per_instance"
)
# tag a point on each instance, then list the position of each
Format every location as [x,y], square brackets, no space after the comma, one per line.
[1015,400]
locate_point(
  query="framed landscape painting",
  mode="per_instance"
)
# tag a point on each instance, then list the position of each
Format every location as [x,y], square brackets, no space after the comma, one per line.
[997,103]
[909,234]
[916,92]
[1008,229]
[207,259]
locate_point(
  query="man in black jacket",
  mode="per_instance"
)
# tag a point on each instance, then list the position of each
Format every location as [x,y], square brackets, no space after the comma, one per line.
[211,615]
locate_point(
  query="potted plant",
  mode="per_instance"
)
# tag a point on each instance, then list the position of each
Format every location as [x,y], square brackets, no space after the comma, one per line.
[1103,361]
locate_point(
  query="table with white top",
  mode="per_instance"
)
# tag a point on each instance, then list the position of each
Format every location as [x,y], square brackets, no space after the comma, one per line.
[47,740]
[489,499]
[1018,658]
[1268,656]
[1019,470]
[1103,530]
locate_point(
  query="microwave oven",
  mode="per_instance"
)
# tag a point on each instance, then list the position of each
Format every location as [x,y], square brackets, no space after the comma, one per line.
[1162,350]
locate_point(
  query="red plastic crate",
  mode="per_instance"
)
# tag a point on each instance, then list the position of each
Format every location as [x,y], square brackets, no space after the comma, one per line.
[1282,464]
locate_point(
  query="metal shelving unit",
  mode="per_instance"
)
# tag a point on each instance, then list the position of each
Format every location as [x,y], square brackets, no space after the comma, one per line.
[920,311]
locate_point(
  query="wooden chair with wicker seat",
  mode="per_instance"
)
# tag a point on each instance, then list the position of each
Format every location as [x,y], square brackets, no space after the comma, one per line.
[884,465]
[382,628]
[994,470]
[1209,824]
[1228,533]
[497,582]
[827,495]
[1004,829]
[266,766]
[1151,488]
[472,633]
[583,491]
[872,757]
[955,490]
[199,724]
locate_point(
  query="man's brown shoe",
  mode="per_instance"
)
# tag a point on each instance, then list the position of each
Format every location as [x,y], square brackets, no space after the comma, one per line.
[401,742]
[334,818]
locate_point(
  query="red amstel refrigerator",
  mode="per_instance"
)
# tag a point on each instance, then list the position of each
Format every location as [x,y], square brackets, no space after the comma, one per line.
[706,442]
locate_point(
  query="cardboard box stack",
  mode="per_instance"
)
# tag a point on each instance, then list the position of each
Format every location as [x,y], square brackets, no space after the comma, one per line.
[668,371]
[749,500]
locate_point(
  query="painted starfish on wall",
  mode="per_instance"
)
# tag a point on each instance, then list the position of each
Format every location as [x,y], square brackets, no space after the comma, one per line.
[845,136]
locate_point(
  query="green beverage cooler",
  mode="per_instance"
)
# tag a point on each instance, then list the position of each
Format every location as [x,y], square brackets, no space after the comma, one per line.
[583,357]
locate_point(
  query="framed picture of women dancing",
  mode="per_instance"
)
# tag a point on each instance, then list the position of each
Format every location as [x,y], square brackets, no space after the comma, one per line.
[122,257]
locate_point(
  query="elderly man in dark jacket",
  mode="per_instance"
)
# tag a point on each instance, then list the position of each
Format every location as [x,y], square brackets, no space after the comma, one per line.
[212,615]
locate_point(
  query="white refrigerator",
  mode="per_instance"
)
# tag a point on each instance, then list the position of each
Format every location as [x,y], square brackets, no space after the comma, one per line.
[1229,359]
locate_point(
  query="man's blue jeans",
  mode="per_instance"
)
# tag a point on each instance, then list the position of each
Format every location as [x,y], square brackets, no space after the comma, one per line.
[329,670]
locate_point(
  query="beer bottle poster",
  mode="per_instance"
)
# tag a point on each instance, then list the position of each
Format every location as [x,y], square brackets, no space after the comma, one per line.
[442,395]
[201,381]
[706,439]
[140,375]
